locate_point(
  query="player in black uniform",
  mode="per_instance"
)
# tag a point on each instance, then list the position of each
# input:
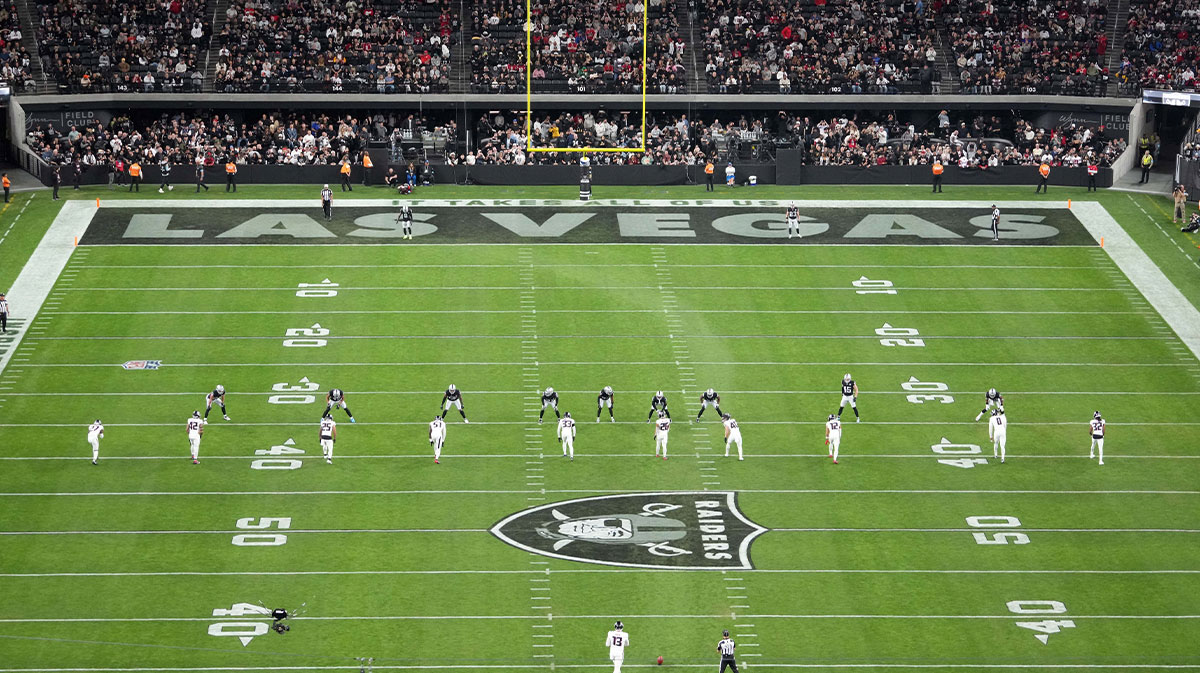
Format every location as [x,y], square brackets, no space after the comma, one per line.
[991,398]
[218,396]
[793,219]
[605,399]
[708,397]
[549,399]
[336,398]
[405,218]
[849,394]
[659,400]
[453,398]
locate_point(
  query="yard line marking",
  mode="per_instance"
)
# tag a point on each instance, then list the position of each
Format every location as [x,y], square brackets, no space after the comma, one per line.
[576,337]
[606,310]
[560,288]
[609,363]
[405,423]
[587,266]
[607,490]
[586,392]
[314,618]
[235,532]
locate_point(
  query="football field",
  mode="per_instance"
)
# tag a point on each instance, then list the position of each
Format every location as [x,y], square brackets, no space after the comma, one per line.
[918,551]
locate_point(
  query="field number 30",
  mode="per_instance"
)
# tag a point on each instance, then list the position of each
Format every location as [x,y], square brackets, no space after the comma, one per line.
[913,385]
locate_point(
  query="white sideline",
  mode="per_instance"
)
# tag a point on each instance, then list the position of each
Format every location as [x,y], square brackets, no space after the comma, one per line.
[1143,272]
[549,667]
[41,271]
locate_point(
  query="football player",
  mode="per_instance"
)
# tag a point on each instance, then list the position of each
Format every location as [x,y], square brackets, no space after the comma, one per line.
[658,403]
[437,437]
[990,399]
[195,430]
[733,434]
[616,642]
[453,397]
[849,394]
[998,432]
[95,434]
[1097,430]
[336,398]
[328,435]
[566,435]
[661,429]
[549,399]
[605,399]
[405,218]
[708,397]
[218,396]
[793,219]
[833,436]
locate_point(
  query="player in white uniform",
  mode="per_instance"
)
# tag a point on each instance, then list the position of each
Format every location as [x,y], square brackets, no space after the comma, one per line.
[991,399]
[662,427]
[328,435]
[732,434]
[217,396]
[849,395]
[437,437]
[566,435]
[615,642]
[793,220]
[195,429]
[1097,430]
[998,432]
[833,436]
[95,434]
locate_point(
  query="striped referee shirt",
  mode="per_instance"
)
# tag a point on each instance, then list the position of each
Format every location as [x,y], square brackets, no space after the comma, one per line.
[726,648]
[3,307]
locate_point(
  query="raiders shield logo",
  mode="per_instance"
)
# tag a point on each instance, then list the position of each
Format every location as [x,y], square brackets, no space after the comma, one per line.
[682,530]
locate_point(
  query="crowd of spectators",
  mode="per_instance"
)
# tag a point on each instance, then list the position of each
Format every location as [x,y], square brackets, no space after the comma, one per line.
[15,66]
[1028,46]
[91,45]
[370,46]
[280,138]
[818,46]
[1161,49]
[588,46]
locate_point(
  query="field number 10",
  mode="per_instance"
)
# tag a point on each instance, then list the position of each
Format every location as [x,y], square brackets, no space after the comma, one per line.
[865,285]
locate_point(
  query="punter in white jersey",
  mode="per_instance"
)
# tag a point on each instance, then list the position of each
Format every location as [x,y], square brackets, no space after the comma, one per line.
[998,432]
[793,220]
[733,434]
[616,642]
[95,434]
[195,430]
[849,396]
[328,434]
[833,436]
[437,437]
[662,428]
[992,399]
[566,435]
[1097,430]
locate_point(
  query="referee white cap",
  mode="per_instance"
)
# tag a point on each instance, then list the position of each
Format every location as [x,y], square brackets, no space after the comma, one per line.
[326,185]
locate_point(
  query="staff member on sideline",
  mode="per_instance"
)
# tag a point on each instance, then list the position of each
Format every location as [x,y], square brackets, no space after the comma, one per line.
[1180,212]
[1043,184]
[1092,168]
[938,169]
[708,175]
[367,166]
[200,177]
[7,187]
[1147,164]
[230,175]
[135,176]
[3,314]
[327,202]
[726,647]
[345,171]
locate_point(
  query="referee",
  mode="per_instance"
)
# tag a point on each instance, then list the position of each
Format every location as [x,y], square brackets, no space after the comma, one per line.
[726,647]
[327,202]
[995,223]
[3,313]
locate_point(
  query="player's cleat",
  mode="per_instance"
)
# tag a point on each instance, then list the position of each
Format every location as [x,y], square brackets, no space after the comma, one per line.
[572,459]
[539,421]
[597,419]
[225,417]
[1092,456]
[351,420]
[740,458]
[835,462]
[94,463]
[465,420]
[664,457]
[857,419]
[1102,462]
[612,419]
[195,461]
[435,461]
[160,191]
[329,461]
[206,421]
[1001,461]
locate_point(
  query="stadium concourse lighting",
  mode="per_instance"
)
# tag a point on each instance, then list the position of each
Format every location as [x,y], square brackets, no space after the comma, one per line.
[529,90]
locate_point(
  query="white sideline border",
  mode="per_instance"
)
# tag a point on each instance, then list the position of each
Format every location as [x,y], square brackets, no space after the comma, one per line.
[1145,275]
[41,270]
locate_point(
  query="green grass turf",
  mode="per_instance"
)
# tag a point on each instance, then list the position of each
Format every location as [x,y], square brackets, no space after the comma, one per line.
[876,551]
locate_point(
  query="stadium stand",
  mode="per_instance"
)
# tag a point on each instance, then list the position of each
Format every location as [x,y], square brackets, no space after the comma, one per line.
[577,47]
[1053,47]
[818,46]
[370,46]
[1161,51]
[15,65]
[123,46]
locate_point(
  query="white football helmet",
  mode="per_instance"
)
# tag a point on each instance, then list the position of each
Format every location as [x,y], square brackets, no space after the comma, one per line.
[608,390]
[220,389]
[658,394]
[549,391]
[846,377]
[710,392]
[991,392]
[451,388]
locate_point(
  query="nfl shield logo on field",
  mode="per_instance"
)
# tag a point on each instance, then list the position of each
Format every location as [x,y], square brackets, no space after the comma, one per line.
[681,530]
[142,364]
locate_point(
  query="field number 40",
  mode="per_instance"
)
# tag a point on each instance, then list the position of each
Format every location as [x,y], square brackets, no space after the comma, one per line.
[1046,627]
